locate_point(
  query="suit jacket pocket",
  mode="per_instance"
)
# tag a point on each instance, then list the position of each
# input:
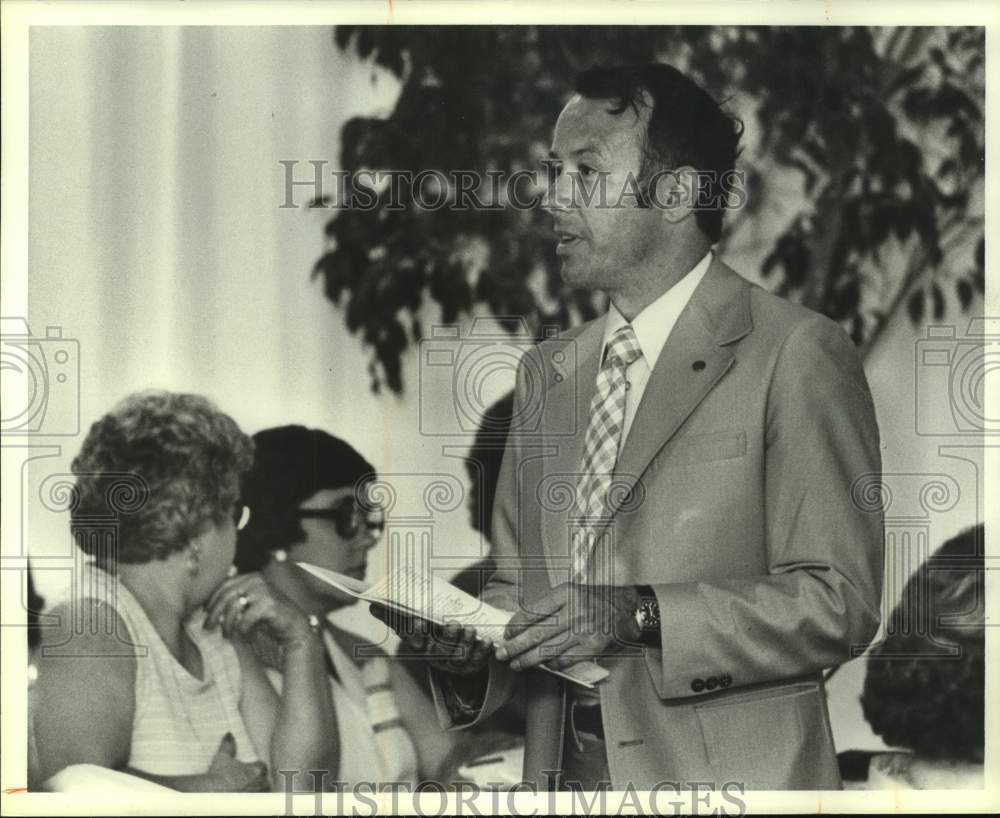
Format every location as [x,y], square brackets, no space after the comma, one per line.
[705,448]
[773,739]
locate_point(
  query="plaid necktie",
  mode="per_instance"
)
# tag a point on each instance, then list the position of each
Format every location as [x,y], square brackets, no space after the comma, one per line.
[607,416]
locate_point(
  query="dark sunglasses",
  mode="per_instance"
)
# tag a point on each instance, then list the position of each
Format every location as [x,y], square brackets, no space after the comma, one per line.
[347,518]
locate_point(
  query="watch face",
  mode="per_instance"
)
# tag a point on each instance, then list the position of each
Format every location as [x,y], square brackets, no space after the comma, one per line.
[648,615]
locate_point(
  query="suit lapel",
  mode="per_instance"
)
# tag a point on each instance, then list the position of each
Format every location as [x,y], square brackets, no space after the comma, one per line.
[687,369]
[694,359]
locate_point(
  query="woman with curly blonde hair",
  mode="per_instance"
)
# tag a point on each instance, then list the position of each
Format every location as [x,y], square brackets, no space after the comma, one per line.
[148,672]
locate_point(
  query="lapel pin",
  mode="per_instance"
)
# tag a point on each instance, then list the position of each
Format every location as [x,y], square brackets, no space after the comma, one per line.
[697,366]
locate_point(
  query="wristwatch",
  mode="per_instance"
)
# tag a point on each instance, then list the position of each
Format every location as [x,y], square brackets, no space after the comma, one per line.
[647,615]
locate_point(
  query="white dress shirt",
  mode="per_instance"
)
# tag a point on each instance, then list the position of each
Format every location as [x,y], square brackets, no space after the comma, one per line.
[652,327]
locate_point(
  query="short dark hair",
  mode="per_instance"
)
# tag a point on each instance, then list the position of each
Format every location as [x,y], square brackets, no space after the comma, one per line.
[291,464]
[914,696]
[484,459]
[162,466]
[687,127]
[35,604]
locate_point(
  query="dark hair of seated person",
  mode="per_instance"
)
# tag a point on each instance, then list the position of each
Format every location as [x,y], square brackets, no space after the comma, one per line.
[291,464]
[34,605]
[482,464]
[925,691]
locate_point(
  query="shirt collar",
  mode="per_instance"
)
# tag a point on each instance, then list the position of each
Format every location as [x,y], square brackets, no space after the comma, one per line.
[654,323]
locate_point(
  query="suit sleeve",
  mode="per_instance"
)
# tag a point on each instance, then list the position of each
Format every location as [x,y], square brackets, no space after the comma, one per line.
[821,596]
[503,588]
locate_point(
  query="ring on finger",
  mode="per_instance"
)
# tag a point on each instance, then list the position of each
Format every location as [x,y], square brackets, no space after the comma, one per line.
[243,601]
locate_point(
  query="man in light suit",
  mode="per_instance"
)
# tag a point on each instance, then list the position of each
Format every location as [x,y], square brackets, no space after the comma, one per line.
[685,506]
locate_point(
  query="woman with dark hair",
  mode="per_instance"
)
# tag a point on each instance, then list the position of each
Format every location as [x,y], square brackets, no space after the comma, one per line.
[924,688]
[147,672]
[304,488]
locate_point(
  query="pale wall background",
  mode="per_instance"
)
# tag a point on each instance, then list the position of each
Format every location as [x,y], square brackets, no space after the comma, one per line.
[157,242]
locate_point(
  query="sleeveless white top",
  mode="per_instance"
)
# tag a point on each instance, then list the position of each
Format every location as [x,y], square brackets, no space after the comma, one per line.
[374,744]
[179,720]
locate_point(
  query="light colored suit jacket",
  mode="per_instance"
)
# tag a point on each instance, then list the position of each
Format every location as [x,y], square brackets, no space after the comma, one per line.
[742,501]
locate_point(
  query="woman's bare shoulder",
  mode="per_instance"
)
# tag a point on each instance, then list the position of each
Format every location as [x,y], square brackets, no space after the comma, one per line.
[88,628]
[84,696]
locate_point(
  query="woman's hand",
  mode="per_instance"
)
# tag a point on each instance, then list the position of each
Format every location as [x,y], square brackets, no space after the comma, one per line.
[245,602]
[296,728]
[227,774]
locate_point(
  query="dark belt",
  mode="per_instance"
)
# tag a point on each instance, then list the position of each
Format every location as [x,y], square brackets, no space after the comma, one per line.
[588,720]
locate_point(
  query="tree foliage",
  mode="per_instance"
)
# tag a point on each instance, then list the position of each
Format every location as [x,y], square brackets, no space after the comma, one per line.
[884,128]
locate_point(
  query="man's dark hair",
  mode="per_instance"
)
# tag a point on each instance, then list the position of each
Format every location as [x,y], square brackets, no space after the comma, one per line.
[687,127]
[291,464]
[915,695]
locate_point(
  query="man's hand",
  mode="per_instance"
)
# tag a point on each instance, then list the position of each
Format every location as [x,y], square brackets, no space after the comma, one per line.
[571,624]
[451,648]
[227,774]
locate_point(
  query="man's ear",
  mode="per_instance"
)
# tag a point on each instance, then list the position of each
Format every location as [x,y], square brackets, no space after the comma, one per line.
[674,192]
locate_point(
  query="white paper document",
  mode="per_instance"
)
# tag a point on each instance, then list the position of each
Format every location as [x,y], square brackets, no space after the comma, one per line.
[436,600]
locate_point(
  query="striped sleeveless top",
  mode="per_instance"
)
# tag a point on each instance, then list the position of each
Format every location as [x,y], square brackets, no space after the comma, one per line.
[179,720]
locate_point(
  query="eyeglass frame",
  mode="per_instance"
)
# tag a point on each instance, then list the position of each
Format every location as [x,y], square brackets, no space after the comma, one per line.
[347,528]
